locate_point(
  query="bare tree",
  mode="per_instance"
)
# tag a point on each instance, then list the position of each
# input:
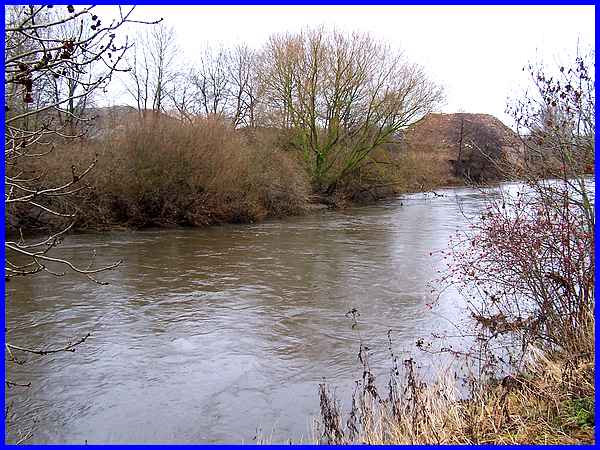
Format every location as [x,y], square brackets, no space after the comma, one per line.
[527,263]
[183,96]
[556,122]
[152,71]
[211,81]
[484,150]
[202,90]
[245,87]
[225,84]
[69,85]
[38,52]
[344,95]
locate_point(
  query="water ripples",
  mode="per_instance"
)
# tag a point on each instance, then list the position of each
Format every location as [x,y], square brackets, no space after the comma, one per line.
[205,334]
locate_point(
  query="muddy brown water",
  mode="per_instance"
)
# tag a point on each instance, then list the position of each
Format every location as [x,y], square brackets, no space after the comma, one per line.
[220,334]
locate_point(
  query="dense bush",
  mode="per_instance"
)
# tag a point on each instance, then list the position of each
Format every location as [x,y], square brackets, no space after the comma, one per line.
[158,171]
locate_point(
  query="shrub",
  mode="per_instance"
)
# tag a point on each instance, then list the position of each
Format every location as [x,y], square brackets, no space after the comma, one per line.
[158,171]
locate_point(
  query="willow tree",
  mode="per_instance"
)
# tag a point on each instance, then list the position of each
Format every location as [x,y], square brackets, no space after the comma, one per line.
[344,95]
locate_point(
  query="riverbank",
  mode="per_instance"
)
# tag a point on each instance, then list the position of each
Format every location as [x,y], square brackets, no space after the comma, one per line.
[550,401]
[161,173]
[528,376]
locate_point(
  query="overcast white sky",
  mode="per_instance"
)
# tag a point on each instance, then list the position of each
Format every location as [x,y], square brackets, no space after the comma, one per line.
[476,52]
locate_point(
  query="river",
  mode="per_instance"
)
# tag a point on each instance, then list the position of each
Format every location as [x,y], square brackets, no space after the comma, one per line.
[217,334]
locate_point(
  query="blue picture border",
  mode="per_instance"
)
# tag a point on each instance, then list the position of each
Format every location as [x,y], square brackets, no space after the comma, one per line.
[315,2]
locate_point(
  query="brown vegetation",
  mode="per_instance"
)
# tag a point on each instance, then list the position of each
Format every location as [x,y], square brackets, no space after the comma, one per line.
[475,147]
[157,172]
[551,401]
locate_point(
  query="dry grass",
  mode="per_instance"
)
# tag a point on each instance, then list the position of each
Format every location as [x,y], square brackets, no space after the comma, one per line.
[425,171]
[197,174]
[158,172]
[549,401]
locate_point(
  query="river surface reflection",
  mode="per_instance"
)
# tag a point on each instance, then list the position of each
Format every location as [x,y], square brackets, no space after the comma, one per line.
[207,335]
